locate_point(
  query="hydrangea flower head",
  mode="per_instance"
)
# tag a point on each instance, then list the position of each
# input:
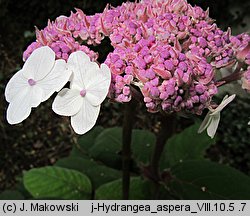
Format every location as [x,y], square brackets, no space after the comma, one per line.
[169,51]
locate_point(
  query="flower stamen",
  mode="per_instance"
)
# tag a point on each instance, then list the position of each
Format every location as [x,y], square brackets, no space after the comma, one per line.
[31,82]
[83,92]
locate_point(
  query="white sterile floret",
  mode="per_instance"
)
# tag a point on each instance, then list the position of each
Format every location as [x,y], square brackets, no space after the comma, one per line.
[39,78]
[88,89]
[212,118]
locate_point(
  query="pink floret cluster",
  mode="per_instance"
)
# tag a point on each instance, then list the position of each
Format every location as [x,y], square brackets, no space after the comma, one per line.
[60,38]
[167,49]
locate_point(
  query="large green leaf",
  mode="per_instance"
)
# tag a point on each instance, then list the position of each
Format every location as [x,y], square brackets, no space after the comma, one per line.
[98,174]
[208,180]
[139,189]
[142,145]
[107,147]
[11,195]
[86,141]
[57,182]
[187,145]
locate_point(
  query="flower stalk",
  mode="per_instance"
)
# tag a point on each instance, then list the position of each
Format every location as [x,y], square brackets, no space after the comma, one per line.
[166,131]
[236,75]
[129,114]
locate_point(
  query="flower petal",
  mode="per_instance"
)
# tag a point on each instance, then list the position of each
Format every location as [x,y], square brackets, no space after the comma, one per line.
[39,64]
[79,63]
[55,80]
[86,118]
[205,122]
[226,100]
[16,84]
[97,86]
[20,107]
[212,128]
[68,102]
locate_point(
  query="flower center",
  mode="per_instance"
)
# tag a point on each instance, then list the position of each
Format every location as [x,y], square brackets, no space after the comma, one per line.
[83,92]
[31,82]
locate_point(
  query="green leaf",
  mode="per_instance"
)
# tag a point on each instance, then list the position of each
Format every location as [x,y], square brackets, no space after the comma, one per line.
[21,188]
[86,141]
[187,145]
[107,147]
[56,182]
[142,145]
[98,174]
[208,180]
[139,189]
[11,195]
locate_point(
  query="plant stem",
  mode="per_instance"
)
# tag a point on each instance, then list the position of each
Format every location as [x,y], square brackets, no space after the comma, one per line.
[137,95]
[129,114]
[166,131]
[237,74]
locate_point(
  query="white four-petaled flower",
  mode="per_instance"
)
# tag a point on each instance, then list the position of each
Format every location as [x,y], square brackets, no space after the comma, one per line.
[88,88]
[212,118]
[39,78]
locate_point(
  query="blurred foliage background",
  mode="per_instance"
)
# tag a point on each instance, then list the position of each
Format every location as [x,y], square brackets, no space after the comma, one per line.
[44,137]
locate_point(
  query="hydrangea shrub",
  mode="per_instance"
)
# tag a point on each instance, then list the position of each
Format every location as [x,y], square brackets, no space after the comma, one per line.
[169,52]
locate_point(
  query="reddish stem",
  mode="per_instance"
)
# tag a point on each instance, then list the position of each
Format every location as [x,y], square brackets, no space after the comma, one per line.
[236,75]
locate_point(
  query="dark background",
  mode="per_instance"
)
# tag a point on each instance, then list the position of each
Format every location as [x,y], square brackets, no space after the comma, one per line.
[45,137]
